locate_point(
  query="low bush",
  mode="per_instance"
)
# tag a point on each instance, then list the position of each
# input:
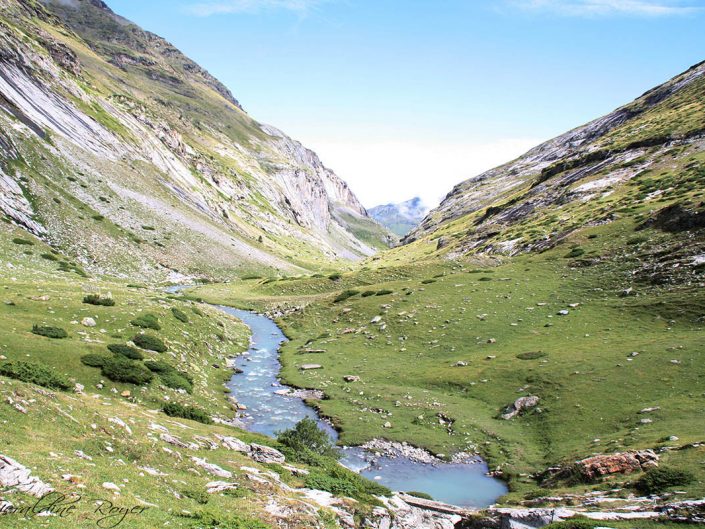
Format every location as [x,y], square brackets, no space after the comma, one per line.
[575,252]
[174,409]
[428,281]
[341,481]
[345,294]
[33,373]
[179,315]
[198,312]
[158,366]
[659,479]
[49,332]
[97,299]
[421,495]
[335,277]
[22,242]
[94,360]
[147,321]
[574,523]
[197,495]
[368,293]
[149,342]
[175,380]
[531,355]
[126,351]
[384,292]
[121,369]
[49,257]
[251,277]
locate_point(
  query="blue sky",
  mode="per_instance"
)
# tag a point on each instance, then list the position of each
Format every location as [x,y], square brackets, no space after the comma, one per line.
[405,98]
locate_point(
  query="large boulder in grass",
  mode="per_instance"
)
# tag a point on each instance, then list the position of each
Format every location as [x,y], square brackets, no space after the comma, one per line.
[266,454]
[519,406]
[595,467]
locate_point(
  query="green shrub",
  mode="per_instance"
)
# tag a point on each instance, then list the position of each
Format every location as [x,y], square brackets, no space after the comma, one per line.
[25,242]
[175,380]
[659,479]
[49,257]
[485,279]
[158,366]
[96,299]
[94,360]
[532,355]
[121,369]
[384,292]
[197,495]
[345,294]
[250,277]
[575,252]
[179,315]
[149,342]
[126,351]
[335,277]
[428,281]
[341,481]
[306,435]
[33,373]
[198,312]
[174,409]
[98,217]
[421,495]
[147,321]
[49,332]
[574,523]
[637,240]
[368,293]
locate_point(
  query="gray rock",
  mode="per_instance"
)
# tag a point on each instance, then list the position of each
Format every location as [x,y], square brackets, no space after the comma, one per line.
[519,406]
[266,454]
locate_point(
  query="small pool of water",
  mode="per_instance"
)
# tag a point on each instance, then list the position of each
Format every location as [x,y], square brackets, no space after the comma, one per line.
[465,485]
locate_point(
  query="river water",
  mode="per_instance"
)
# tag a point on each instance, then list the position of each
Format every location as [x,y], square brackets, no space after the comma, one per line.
[465,485]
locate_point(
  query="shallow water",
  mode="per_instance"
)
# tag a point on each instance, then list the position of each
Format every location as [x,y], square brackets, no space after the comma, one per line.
[465,485]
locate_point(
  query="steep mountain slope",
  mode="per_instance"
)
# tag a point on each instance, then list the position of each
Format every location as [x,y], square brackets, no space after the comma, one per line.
[643,166]
[114,144]
[402,217]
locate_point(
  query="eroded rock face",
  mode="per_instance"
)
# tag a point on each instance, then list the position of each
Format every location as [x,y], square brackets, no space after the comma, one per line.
[14,475]
[595,467]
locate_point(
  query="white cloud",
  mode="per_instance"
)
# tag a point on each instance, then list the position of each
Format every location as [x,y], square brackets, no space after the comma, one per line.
[393,171]
[652,8]
[219,7]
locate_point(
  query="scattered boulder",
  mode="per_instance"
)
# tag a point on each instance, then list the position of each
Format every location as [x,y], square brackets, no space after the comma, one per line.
[266,454]
[111,486]
[519,406]
[233,443]
[212,468]
[88,322]
[307,367]
[12,474]
[219,486]
[592,468]
[351,378]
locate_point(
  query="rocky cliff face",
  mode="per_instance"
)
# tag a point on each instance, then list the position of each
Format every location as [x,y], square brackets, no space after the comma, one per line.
[402,217]
[642,157]
[113,143]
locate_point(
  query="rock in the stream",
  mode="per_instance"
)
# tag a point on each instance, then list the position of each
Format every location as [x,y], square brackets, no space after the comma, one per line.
[520,405]
[266,454]
[12,474]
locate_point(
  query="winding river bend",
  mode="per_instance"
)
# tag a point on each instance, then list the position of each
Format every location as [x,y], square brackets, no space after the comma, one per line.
[268,411]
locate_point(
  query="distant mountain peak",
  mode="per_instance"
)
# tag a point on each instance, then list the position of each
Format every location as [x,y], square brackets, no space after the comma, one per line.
[401,217]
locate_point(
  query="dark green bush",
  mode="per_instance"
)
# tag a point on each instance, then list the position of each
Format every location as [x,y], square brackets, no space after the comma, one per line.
[532,355]
[179,315]
[197,495]
[149,342]
[198,312]
[175,380]
[96,299]
[575,252]
[341,481]
[345,294]
[368,293]
[659,479]
[49,332]
[421,495]
[384,292]
[574,523]
[121,369]
[94,360]
[428,281]
[49,257]
[174,409]
[147,321]
[25,242]
[335,277]
[158,366]
[251,276]
[126,351]
[33,373]
[306,435]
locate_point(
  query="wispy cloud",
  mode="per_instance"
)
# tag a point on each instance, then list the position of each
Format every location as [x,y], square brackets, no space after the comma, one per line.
[587,8]
[219,7]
